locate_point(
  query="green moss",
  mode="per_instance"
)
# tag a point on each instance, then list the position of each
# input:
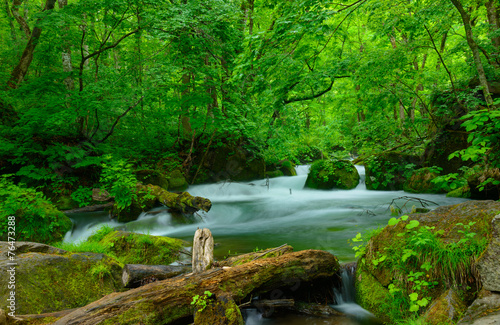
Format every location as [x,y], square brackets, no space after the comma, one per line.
[143,313]
[274,173]
[463,192]
[287,168]
[329,174]
[223,311]
[176,181]
[132,248]
[63,282]
[371,295]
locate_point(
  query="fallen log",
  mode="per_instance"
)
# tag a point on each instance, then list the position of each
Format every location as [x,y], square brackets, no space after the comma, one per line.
[183,202]
[91,208]
[136,275]
[163,302]
[245,258]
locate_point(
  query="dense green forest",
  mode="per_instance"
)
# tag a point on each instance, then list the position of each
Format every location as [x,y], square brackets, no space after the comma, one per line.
[94,91]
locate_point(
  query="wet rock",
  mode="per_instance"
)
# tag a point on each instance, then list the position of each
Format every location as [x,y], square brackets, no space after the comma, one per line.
[49,279]
[448,306]
[485,310]
[480,191]
[333,173]
[489,262]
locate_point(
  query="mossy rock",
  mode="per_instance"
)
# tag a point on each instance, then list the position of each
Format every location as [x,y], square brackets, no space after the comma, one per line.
[452,138]
[448,222]
[463,192]
[446,309]
[132,248]
[385,172]
[420,181]
[287,168]
[371,295]
[49,279]
[234,162]
[154,177]
[176,181]
[329,174]
[274,173]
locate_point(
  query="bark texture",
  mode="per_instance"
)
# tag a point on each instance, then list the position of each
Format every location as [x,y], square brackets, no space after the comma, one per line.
[165,301]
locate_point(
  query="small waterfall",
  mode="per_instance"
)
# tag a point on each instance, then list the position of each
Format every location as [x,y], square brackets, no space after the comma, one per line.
[345,296]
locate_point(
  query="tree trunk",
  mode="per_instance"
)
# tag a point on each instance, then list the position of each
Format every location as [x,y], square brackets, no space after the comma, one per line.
[21,69]
[136,275]
[13,33]
[475,51]
[203,250]
[492,10]
[20,19]
[66,53]
[170,300]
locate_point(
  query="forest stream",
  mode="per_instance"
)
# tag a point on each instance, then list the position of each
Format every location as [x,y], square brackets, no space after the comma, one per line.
[271,212]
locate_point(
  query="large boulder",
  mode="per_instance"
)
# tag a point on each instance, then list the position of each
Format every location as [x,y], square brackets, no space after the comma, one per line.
[333,173]
[452,138]
[49,279]
[484,183]
[232,162]
[153,177]
[176,181]
[439,246]
[386,171]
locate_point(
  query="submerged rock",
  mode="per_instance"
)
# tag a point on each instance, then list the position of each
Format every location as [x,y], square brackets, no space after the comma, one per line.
[329,174]
[50,279]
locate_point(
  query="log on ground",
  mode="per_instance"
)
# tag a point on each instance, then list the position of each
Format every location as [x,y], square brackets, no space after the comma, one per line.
[136,275]
[163,302]
[183,202]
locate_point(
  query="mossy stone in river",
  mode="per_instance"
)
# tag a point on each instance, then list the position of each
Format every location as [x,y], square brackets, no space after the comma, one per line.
[287,168]
[329,174]
[274,173]
[153,177]
[176,181]
[49,279]
[132,248]
[420,181]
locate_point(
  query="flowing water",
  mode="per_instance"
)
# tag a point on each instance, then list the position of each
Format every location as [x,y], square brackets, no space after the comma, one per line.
[271,212]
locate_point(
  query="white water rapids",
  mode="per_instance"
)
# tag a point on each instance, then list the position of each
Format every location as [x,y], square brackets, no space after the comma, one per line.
[271,212]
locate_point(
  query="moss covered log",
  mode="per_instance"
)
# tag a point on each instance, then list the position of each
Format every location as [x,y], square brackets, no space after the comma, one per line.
[165,301]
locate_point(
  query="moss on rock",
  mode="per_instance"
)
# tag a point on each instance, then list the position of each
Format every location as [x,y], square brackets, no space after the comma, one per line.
[177,182]
[154,177]
[222,311]
[274,173]
[463,192]
[132,248]
[58,280]
[329,174]
[420,181]
[371,295]
[287,168]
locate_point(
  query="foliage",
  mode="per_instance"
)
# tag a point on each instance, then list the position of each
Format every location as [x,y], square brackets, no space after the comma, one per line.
[36,218]
[484,128]
[118,179]
[201,302]
[420,261]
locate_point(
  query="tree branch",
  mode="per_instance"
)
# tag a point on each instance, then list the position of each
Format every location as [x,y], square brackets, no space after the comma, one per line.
[118,119]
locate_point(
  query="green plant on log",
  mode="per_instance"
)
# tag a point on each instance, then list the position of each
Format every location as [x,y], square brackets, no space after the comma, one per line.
[201,302]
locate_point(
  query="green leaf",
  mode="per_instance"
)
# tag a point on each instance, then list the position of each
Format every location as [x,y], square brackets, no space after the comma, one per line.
[413,296]
[414,308]
[412,224]
[393,222]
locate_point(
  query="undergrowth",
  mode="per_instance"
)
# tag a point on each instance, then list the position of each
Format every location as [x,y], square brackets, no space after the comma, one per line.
[420,261]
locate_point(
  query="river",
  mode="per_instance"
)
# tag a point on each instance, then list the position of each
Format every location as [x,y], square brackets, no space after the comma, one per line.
[271,212]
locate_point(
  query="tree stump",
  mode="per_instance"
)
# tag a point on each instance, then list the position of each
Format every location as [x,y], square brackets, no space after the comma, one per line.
[203,250]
